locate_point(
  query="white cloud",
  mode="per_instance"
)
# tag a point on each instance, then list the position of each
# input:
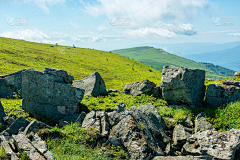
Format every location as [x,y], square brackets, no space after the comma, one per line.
[148,17]
[162,30]
[98,39]
[76,39]
[234,34]
[27,34]
[142,12]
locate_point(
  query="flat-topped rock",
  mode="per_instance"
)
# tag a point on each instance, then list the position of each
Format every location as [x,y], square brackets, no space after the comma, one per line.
[43,94]
[183,86]
[61,75]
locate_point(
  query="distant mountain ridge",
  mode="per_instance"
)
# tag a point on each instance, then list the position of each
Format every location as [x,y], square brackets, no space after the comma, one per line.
[229,58]
[157,58]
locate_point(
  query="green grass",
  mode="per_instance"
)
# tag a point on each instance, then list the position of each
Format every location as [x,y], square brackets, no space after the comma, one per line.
[159,58]
[78,143]
[116,70]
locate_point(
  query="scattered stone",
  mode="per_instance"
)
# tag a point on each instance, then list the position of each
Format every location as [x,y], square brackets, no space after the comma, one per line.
[99,121]
[188,123]
[180,135]
[168,150]
[24,145]
[15,126]
[42,147]
[43,95]
[218,145]
[182,158]
[132,137]
[112,90]
[237,74]
[34,126]
[93,85]
[219,94]
[183,86]
[201,124]
[137,88]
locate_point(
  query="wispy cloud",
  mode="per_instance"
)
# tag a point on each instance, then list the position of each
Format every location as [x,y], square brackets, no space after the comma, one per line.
[42,4]
[234,34]
[73,24]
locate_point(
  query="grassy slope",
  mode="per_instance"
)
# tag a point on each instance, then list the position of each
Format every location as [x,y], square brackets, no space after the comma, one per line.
[82,62]
[159,58]
[116,70]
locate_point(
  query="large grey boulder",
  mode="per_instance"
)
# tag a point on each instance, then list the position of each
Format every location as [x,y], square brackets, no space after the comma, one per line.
[93,85]
[11,84]
[201,124]
[219,94]
[183,86]
[13,129]
[137,88]
[99,121]
[61,75]
[141,132]
[218,145]
[44,95]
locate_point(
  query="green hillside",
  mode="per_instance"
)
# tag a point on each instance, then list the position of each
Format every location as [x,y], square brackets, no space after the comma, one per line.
[116,70]
[159,58]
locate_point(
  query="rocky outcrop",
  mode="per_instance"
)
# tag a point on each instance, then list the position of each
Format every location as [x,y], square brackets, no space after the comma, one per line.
[180,135]
[117,114]
[46,94]
[137,88]
[93,85]
[201,124]
[36,148]
[183,86]
[14,128]
[16,140]
[99,121]
[219,94]
[11,84]
[141,131]
[218,145]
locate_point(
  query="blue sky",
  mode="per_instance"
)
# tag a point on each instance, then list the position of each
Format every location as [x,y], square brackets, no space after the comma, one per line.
[115,24]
